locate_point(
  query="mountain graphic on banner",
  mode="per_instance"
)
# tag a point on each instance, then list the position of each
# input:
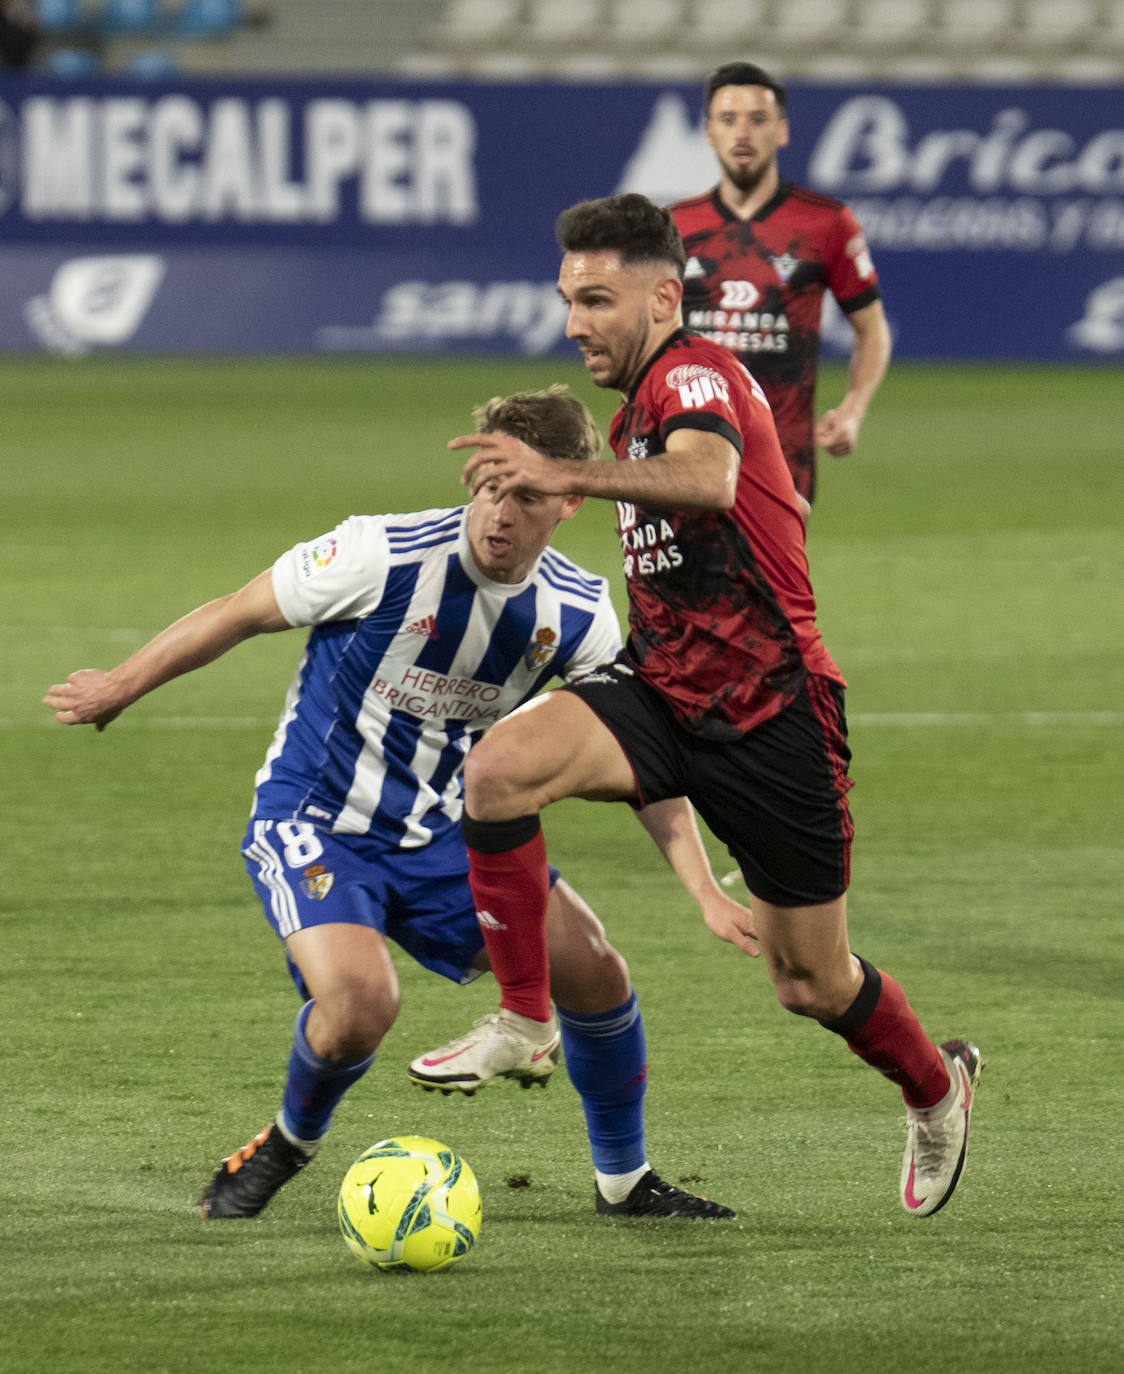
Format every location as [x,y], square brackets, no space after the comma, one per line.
[673,158]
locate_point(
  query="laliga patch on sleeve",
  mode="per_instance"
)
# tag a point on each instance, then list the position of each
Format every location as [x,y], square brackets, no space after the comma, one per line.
[859,254]
[318,555]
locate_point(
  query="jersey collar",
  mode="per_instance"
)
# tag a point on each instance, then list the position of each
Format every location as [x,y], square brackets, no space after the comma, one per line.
[783,191]
[677,337]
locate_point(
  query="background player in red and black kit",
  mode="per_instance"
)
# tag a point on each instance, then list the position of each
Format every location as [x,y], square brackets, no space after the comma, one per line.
[761,252]
[724,693]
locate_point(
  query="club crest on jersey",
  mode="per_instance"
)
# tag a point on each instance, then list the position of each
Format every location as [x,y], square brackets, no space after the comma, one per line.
[317,882]
[542,650]
[637,448]
[698,385]
[784,264]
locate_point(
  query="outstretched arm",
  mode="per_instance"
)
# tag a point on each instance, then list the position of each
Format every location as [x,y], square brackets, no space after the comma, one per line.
[672,826]
[93,697]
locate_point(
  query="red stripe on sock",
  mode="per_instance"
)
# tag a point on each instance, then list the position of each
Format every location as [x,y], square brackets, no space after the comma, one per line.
[510,891]
[892,1042]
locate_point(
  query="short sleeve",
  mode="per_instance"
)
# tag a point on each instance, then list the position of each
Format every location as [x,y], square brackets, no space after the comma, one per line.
[601,642]
[697,395]
[850,269]
[338,576]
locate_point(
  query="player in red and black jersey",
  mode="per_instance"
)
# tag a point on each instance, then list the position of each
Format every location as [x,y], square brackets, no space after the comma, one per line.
[724,694]
[761,253]
[721,612]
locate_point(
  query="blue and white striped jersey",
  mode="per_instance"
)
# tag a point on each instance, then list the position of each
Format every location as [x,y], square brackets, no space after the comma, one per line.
[413,653]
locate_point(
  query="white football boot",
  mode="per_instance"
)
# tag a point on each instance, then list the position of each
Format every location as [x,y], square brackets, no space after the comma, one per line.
[502,1044]
[937,1137]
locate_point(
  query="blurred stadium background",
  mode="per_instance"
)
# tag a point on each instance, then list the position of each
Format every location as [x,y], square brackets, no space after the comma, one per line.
[257,176]
[927,40]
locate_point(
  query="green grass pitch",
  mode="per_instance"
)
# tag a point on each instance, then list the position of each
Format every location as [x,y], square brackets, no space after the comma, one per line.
[969,566]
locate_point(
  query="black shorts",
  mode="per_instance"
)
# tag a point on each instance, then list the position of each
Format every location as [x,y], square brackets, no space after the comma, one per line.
[776,796]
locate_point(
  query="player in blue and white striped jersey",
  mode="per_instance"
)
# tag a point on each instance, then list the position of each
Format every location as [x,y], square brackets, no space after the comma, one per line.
[417,651]
[424,630]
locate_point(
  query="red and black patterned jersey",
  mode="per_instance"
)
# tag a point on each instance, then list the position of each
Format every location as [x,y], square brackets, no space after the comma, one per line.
[721,611]
[757,286]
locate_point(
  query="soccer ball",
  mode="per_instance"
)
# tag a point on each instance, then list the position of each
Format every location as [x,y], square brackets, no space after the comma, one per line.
[409,1203]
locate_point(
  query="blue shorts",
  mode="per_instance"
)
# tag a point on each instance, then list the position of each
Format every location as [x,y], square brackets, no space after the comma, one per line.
[419,898]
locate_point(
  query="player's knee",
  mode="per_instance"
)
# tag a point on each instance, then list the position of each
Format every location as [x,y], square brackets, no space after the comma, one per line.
[493,789]
[798,992]
[591,978]
[353,1019]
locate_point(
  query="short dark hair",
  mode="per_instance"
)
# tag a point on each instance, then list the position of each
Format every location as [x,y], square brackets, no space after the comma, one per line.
[631,225]
[743,74]
[552,422]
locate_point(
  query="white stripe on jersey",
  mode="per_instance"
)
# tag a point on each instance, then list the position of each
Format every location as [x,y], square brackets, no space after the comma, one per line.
[413,653]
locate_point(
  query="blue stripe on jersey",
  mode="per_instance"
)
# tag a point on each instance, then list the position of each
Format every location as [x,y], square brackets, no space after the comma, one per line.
[317,763]
[303,756]
[400,741]
[406,538]
[565,577]
[400,786]
[450,619]
[509,639]
[452,758]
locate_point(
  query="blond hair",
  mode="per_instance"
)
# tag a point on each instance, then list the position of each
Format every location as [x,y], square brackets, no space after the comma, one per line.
[553,422]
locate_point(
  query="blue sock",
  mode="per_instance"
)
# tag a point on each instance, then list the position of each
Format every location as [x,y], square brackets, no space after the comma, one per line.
[314,1086]
[605,1059]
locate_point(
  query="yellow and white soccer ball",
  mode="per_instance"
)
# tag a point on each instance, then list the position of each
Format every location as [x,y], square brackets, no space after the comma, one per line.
[409,1203]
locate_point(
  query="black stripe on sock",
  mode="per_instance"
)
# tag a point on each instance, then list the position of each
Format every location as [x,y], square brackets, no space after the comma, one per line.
[862,1008]
[497,837]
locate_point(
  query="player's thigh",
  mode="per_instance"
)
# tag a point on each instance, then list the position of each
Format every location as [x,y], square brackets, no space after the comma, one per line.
[344,964]
[553,747]
[325,898]
[587,975]
[777,797]
[430,913]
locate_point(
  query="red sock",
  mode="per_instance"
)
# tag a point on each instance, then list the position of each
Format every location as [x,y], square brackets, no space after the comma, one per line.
[510,890]
[891,1040]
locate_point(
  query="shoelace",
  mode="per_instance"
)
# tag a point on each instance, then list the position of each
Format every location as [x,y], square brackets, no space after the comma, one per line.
[491,1018]
[930,1140]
